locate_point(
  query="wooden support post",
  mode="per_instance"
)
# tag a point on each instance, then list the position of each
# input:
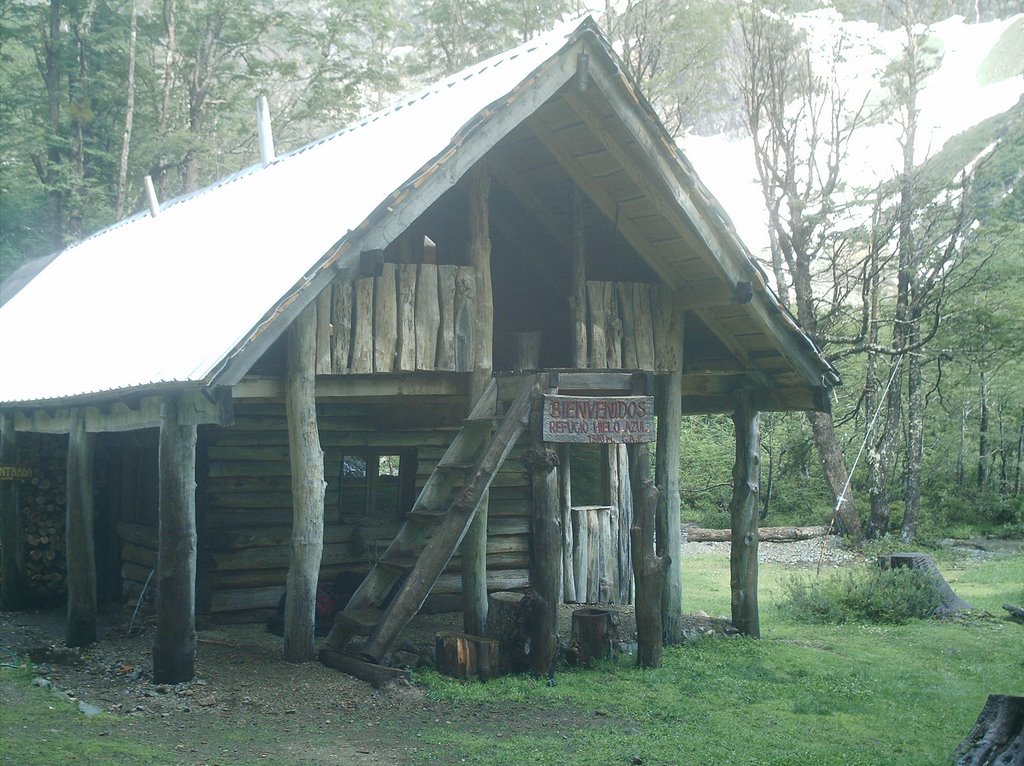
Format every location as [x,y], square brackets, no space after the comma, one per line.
[578,283]
[81,552]
[474,544]
[174,651]
[308,486]
[669,411]
[546,550]
[743,510]
[650,564]
[565,508]
[12,526]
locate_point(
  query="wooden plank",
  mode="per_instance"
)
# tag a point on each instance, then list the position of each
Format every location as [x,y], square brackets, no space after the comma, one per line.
[199,406]
[565,511]
[323,332]
[428,317]
[598,322]
[624,293]
[642,326]
[578,281]
[385,318]
[341,318]
[407,276]
[362,338]
[80,548]
[625,508]
[446,276]
[668,345]
[174,649]
[581,554]
[465,298]
[613,332]
[377,676]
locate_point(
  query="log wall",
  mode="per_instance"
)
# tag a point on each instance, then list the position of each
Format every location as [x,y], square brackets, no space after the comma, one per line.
[245,535]
[409,317]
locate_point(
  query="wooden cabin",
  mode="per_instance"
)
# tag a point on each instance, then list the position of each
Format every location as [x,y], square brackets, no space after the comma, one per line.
[515,261]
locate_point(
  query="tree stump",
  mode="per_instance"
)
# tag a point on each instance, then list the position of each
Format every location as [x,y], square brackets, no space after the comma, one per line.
[997,736]
[460,655]
[950,602]
[508,622]
[593,633]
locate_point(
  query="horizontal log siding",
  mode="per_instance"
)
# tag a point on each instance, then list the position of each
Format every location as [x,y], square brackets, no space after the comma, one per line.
[245,540]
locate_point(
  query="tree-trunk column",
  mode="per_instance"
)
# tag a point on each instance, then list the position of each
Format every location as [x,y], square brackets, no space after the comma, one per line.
[546,549]
[12,528]
[308,488]
[174,652]
[81,551]
[474,544]
[743,510]
[669,410]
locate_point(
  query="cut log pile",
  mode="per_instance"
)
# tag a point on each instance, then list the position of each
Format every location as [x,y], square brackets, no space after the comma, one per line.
[43,501]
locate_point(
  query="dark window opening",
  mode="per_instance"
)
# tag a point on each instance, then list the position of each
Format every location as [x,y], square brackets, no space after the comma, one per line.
[377,483]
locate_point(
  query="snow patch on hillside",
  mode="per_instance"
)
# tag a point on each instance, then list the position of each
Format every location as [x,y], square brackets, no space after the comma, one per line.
[953,100]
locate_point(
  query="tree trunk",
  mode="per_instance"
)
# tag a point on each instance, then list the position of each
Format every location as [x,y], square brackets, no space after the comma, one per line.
[129,113]
[983,436]
[474,544]
[308,486]
[743,513]
[1020,456]
[81,552]
[12,525]
[650,564]
[668,409]
[915,446]
[545,556]
[997,736]
[50,173]
[833,466]
[174,651]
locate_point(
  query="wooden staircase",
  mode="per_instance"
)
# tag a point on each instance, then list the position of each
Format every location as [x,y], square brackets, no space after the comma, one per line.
[398,583]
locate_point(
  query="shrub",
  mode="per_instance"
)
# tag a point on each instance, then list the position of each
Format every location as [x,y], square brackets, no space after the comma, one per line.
[891,596]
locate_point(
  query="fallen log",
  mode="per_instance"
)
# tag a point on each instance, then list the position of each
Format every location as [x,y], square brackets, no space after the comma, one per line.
[1016,613]
[765,534]
[997,736]
[950,602]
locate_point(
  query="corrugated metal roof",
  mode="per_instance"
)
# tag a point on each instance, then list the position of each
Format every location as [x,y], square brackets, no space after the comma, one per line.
[154,300]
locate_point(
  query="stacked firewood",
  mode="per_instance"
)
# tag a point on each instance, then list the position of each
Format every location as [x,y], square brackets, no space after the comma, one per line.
[42,501]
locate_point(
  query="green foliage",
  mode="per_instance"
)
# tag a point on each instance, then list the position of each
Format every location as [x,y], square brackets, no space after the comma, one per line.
[875,595]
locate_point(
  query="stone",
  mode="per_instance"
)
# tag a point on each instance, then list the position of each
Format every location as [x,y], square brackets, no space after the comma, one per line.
[89,710]
[41,682]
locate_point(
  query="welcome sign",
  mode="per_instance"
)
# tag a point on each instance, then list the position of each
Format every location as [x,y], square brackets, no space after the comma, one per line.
[599,419]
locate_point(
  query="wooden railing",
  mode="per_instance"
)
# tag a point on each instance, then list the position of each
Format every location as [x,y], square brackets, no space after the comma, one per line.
[411,317]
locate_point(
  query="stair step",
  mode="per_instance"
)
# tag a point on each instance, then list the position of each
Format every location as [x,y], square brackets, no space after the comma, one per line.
[456,467]
[402,564]
[428,514]
[360,622]
[481,421]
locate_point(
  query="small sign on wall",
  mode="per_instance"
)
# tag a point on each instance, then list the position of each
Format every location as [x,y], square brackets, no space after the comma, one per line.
[15,472]
[599,419]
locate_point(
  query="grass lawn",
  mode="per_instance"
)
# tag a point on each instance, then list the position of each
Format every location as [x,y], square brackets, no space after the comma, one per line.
[804,694]
[851,694]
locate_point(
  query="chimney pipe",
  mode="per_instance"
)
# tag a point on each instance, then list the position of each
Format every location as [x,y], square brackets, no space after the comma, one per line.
[264,131]
[154,203]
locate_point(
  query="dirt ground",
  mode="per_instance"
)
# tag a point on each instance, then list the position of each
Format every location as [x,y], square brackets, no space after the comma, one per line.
[316,715]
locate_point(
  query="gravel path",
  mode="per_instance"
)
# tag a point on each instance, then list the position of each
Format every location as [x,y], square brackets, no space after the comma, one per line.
[802,554]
